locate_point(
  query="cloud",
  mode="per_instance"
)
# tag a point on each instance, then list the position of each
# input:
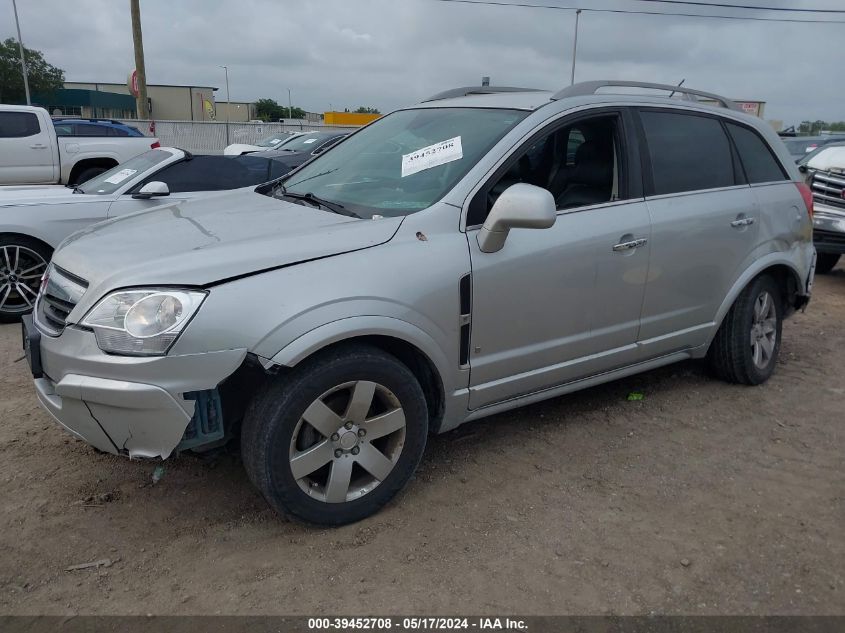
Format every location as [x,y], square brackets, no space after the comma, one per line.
[390,53]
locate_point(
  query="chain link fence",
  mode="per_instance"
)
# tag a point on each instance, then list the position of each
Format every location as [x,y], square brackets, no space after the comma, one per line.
[210,137]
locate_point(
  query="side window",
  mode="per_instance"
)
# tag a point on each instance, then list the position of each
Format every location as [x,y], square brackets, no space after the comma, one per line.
[86,129]
[212,173]
[757,159]
[18,124]
[116,131]
[63,129]
[688,152]
[579,164]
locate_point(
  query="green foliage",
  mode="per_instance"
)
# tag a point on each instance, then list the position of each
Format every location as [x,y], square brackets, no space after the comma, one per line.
[813,128]
[44,78]
[363,110]
[269,110]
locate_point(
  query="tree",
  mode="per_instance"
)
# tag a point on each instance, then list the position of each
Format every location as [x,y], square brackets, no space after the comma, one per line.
[269,110]
[363,110]
[43,77]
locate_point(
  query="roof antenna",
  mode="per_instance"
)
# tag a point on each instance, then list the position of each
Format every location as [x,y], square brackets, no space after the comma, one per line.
[679,85]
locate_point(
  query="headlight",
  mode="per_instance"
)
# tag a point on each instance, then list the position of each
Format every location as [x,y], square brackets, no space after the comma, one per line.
[142,322]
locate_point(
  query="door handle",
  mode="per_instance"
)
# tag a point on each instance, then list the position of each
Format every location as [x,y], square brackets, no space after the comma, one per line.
[742,222]
[627,246]
[38,146]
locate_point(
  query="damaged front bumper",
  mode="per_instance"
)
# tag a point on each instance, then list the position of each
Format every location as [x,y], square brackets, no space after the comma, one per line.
[138,406]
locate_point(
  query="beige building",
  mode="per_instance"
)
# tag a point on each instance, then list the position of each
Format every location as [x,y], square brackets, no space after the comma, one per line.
[240,111]
[167,102]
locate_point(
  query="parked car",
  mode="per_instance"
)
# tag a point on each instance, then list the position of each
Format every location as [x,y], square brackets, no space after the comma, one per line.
[32,153]
[825,174]
[305,147]
[35,219]
[274,141]
[449,261]
[800,146]
[93,127]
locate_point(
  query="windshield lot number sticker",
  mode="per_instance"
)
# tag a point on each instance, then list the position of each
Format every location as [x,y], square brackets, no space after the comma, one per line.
[120,176]
[432,156]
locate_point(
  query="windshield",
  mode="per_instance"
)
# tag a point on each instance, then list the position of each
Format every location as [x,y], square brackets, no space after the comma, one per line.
[274,140]
[797,147]
[308,141]
[405,161]
[811,155]
[116,177]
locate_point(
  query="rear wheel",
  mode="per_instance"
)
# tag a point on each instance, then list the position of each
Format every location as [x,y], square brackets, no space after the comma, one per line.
[825,262]
[22,264]
[335,439]
[87,174]
[746,347]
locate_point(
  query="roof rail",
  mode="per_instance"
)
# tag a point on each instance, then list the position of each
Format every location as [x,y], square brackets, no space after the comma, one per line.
[476,90]
[591,87]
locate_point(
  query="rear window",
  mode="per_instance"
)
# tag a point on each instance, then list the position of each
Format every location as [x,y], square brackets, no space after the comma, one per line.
[18,124]
[688,152]
[757,159]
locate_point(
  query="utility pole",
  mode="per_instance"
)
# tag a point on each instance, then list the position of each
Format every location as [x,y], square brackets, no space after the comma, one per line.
[23,58]
[137,38]
[228,102]
[574,47]
[290,109]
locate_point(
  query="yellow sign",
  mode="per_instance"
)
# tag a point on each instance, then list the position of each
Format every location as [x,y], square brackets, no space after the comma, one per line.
[209,108]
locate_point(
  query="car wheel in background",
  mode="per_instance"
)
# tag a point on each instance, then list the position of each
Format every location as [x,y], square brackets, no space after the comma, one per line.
[825,262]
[334,439]
[746,347]
[22,264]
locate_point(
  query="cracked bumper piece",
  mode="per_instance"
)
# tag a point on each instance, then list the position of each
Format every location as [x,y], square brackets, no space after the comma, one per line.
[126,405]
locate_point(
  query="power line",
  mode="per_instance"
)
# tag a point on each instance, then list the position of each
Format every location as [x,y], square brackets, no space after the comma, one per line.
[637,12]
[744,6]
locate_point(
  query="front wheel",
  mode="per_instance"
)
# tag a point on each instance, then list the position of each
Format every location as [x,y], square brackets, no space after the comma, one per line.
[746,347]
[22,264]
[334,440]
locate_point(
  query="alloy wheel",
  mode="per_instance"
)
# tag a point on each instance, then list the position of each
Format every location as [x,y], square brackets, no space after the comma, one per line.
[763,330]
[21,269]
[347,441]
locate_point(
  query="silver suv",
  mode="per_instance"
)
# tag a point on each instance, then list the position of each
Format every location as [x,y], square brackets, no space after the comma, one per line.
[391,288]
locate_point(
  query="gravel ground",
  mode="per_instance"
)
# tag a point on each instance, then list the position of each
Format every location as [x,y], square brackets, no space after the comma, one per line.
[703,498]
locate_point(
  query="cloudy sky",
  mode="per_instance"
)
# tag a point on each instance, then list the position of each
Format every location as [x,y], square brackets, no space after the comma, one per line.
[389,53]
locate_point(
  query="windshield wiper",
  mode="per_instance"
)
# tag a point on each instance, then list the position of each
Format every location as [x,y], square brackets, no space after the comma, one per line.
[334,207]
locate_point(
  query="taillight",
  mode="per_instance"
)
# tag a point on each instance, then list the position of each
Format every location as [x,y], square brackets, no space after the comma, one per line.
[155,145]
[807,194]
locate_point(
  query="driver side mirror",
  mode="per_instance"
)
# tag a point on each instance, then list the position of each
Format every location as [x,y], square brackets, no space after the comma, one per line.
[152,189]
[520,206]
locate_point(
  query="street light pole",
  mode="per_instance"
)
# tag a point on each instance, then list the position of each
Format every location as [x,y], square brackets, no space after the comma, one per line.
[228,102]
[23,59]
[290,109]
[575,47]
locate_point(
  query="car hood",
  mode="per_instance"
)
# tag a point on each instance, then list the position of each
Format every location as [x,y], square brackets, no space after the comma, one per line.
[832,157]
[206,240]
[42,194]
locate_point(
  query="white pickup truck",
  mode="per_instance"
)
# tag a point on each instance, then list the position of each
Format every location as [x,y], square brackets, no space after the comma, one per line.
[32,153]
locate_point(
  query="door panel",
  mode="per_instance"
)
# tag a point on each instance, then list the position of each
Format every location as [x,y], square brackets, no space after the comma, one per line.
[26,151]
[699,242]
[557,304]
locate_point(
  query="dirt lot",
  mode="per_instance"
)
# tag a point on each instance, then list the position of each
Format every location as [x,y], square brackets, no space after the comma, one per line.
[701,498]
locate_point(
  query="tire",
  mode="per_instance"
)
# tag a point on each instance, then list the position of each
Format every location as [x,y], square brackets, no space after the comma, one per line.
[734,355]
[87,174]
[22,264]
[275,435]
[825,262]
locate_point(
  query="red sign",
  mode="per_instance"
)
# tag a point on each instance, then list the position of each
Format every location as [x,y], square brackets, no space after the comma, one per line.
[132,83]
